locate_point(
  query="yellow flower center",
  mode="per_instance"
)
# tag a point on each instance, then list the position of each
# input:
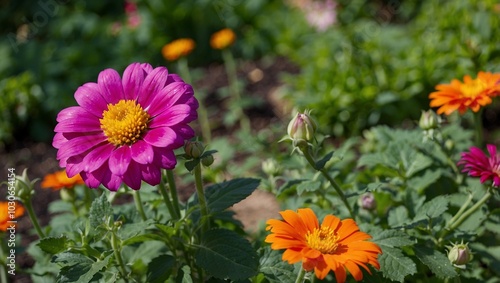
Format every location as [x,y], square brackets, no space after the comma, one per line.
[473,88]
[323,240]
[124,122]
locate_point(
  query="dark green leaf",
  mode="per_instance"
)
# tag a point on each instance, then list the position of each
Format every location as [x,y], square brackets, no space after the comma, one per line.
[160,268]
[223,195]
[433,208]
[82,272]
[275,269]
[398,216]
[68,258]
[142,238]
[320,164]
[392,238]
[308,186]
[100,211]
[226,255]
[54,245]
[191,164]
[394,265]
[437,262]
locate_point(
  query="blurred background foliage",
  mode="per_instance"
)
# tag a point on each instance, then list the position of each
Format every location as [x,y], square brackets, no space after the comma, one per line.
[375,65]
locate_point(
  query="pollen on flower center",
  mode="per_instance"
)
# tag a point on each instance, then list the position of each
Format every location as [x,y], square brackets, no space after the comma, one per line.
[124,122]
[323,240]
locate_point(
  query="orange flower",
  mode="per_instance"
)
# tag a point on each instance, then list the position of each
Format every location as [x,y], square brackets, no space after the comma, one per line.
[471,94]
[222,39]
[9,211]
[177,48]
[334,245]
[59,180]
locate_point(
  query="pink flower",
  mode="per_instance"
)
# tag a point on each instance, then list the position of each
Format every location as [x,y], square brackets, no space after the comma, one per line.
[125,129]
[321,14]
[477,164]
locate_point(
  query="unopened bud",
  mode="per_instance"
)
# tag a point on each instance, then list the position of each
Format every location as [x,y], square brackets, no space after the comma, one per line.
[459,254]
[271,167]
[367,201]
[302,128]
[207,160]
[429,120]
[194,149]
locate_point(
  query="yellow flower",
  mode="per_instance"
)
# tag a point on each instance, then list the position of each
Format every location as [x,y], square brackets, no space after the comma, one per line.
[59,180]
[222,39]
[334,245]
[471,94]
[177,48]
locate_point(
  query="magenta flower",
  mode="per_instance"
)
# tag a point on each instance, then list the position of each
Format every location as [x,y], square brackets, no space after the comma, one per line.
[125,129]
[477,164]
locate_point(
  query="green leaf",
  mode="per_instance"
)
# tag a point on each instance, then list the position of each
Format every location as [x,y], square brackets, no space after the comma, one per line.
[433,208]
[225,254]
[191,164]
[142,238]
[394,265]
[100,211]
[82,272]
[393,238]
[160,268]
[275,269]
[308,186]
[419,183]
[69,259]
[320,164]
[437,262]
[54,245]
[186,274]
[223,195]
[398,216]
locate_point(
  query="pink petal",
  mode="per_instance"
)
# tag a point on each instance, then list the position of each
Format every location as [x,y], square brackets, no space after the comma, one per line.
[72,113]
[133,77]
[183,130]
[133,176]
[89,97]
[151,174]
[96,157]
[84,123]
[153,83]
[119,160]
[167,97]
[111,86]
[142,152]
[160,137]
[80,145]
[172,116]
[164,158]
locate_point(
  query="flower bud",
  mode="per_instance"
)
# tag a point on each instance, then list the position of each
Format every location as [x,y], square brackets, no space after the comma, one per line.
[194,149]
[301,128]
[459,254]
[271,167]
[25,186]
[367,201]
[429,120]
[207,160]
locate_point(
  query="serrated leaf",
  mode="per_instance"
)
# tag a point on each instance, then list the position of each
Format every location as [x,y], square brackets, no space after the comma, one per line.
[392,238]
[320,164]
[394,265]
[54,245]
[308,186]
[433,208]
[275,269]
[100,211]
[223,195]
[82,272]
[226,255]
[419,183]
[398,216]
[414,162]
[160,268]
[142,238]
[437,262]
[68,258]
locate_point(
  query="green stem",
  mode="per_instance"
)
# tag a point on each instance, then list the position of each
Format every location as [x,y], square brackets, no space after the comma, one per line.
[478,125]
[166,198]
[3,267]
[34,220]
[307,154]
[118,256]
[138,204]
[173,192]
[201,197]
[206,130]
[87,198]
[301,276]
[465,214]
[230,65]
[461,210]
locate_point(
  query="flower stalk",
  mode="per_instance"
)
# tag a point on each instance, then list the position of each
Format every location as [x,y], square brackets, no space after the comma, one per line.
[201,197]
[33,218]
[166,198]
[173,192]
[138,204]
[117,252]
[301,276]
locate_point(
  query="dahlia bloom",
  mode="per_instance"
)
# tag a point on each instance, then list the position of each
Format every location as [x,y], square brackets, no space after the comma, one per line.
[222,39]
[177,49]
[7,215]
[59,180]
[125,130]
[477,164]
[334,245]
[471,94]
